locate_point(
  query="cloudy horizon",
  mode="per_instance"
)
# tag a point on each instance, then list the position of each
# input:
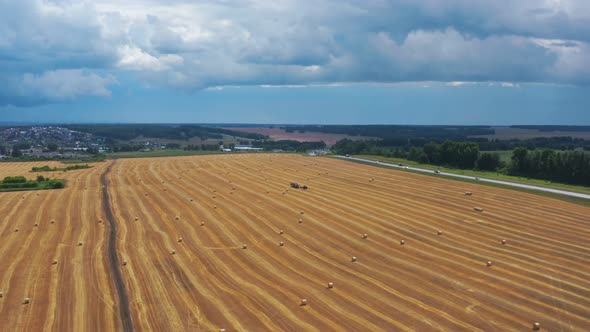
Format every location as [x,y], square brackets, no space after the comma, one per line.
[68,60]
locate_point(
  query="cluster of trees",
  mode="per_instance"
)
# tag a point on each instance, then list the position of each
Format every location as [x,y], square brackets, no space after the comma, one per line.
[16,149]
[289,145]
[127,147]
[21,183]
[569,167]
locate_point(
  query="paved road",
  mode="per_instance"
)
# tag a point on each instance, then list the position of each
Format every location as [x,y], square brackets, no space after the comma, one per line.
[512,184]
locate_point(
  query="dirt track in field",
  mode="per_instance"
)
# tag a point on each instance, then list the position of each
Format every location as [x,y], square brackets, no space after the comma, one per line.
[76,293]
[125,315]
[181,223]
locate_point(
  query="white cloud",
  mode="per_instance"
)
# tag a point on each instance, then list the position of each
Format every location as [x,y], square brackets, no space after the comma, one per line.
[59,85]
[193,45]
[134,58]
[460,83]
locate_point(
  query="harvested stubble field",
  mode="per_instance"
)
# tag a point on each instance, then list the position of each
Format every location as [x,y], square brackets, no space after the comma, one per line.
[182,224]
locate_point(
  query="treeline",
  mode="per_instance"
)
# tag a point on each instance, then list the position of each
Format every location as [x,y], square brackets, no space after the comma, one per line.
[569,167]
[555,143]
[289,145]
[553,128]
[399,136]
[127,147]
[11,183]
[396,132]
[179,132]
[46,168]
[202,147]
[451,153]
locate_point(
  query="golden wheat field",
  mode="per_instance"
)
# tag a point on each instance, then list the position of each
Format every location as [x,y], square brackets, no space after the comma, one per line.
[223,242]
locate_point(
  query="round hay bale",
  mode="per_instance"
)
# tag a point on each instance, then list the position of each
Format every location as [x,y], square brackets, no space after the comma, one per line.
[1,294]
[303,302]
[330,285]
[215,206]
[244,246]
[221,330]
[353,259]
[439,232]
[478,209]
[80,244]
[36,225]
[179,239]
[173,252]
[281,231]
[16,230]
[365,236]
[504,241]
[281,243]
[202,223]
[136,218]
[536,326]
[54,262]
[26,300]
[213,196]
[52,221]
[177,218]
[124,263]
[402,242]
[301,212]
[100,221]
[489,263]
[301,221]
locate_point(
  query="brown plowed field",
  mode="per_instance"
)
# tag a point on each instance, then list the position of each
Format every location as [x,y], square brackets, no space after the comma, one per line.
[432,282]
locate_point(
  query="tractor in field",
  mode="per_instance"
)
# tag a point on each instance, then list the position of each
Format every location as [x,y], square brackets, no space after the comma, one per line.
[296,185]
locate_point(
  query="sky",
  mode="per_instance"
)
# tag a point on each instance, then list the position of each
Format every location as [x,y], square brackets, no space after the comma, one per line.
[498,62]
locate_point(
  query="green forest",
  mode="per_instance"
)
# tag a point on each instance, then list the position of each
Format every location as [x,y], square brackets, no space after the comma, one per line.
[569,166]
